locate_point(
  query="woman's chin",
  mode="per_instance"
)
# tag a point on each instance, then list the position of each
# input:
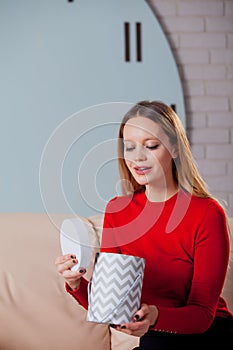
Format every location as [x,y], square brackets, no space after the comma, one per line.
[141,182]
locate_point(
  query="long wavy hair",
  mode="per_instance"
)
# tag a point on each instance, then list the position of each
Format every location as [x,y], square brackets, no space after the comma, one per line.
[185,172]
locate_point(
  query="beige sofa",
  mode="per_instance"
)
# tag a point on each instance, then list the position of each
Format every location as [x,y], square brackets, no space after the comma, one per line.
[35,311]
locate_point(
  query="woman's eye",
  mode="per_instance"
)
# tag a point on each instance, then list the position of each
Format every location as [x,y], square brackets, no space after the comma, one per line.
[152,147]
[128,149]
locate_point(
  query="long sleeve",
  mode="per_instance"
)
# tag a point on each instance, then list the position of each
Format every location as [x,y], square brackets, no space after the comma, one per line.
[185,267]
[80,294]
[210,258]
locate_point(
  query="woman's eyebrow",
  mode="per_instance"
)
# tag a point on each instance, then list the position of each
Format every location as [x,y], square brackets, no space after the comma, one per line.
[147,139]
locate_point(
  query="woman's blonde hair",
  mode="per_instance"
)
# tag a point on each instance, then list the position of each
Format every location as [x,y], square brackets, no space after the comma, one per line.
[185,172]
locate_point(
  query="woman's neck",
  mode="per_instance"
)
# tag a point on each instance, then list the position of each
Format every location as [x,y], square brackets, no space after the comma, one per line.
[158,194]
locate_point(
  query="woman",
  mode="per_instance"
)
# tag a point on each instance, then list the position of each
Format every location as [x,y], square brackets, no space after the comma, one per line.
[168,217]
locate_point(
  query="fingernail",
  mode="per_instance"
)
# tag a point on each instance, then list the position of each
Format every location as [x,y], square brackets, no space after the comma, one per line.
[82,270]
[113,325]
[123,327]
[136,317]
[74,261]
[72,256]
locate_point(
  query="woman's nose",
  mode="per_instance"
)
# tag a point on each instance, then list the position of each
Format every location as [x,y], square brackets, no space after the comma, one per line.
[140,154]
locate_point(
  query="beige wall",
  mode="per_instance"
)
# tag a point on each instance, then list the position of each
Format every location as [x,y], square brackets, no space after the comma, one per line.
[200,33]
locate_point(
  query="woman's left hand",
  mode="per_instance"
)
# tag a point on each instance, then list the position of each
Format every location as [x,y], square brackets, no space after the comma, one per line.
[143,319]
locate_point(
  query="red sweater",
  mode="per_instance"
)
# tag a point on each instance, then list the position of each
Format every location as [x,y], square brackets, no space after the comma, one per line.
[186,246]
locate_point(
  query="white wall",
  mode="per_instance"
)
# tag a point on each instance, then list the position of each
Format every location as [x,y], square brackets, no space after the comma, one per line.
[200,33]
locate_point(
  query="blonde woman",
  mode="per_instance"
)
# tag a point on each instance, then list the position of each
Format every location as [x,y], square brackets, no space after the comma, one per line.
[167,216]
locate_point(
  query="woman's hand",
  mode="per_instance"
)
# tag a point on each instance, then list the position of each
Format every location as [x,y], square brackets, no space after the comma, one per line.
[144,318]
[64,264]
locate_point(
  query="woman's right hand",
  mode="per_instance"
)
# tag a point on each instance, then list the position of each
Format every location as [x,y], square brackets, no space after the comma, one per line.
[64,263]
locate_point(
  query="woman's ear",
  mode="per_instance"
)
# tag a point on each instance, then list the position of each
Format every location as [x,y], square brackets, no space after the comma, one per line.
[174,152]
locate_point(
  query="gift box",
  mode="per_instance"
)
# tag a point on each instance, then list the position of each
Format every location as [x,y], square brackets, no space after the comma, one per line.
[114,290]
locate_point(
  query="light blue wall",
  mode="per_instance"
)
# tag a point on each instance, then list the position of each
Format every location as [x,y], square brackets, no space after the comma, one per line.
[63,75]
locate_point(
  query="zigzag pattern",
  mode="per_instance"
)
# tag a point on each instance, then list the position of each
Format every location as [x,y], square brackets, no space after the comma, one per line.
[115,288]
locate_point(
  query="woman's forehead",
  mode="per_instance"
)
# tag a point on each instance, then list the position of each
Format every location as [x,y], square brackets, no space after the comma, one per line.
[142,127]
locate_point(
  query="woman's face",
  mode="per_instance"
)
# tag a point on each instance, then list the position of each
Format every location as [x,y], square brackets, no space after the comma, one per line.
[148,152]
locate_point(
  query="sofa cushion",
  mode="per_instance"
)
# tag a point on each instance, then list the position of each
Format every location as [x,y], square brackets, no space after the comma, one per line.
[35,311]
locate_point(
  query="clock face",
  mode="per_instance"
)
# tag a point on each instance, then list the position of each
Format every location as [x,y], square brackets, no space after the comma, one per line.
[69,71]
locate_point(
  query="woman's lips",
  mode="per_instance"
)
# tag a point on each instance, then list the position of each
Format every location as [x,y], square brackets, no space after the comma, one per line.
[142,170]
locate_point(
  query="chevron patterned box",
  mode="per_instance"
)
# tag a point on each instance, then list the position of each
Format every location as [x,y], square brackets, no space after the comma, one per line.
[114,291]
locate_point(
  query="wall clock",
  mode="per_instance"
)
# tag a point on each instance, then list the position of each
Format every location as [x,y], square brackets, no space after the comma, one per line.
[69,70]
